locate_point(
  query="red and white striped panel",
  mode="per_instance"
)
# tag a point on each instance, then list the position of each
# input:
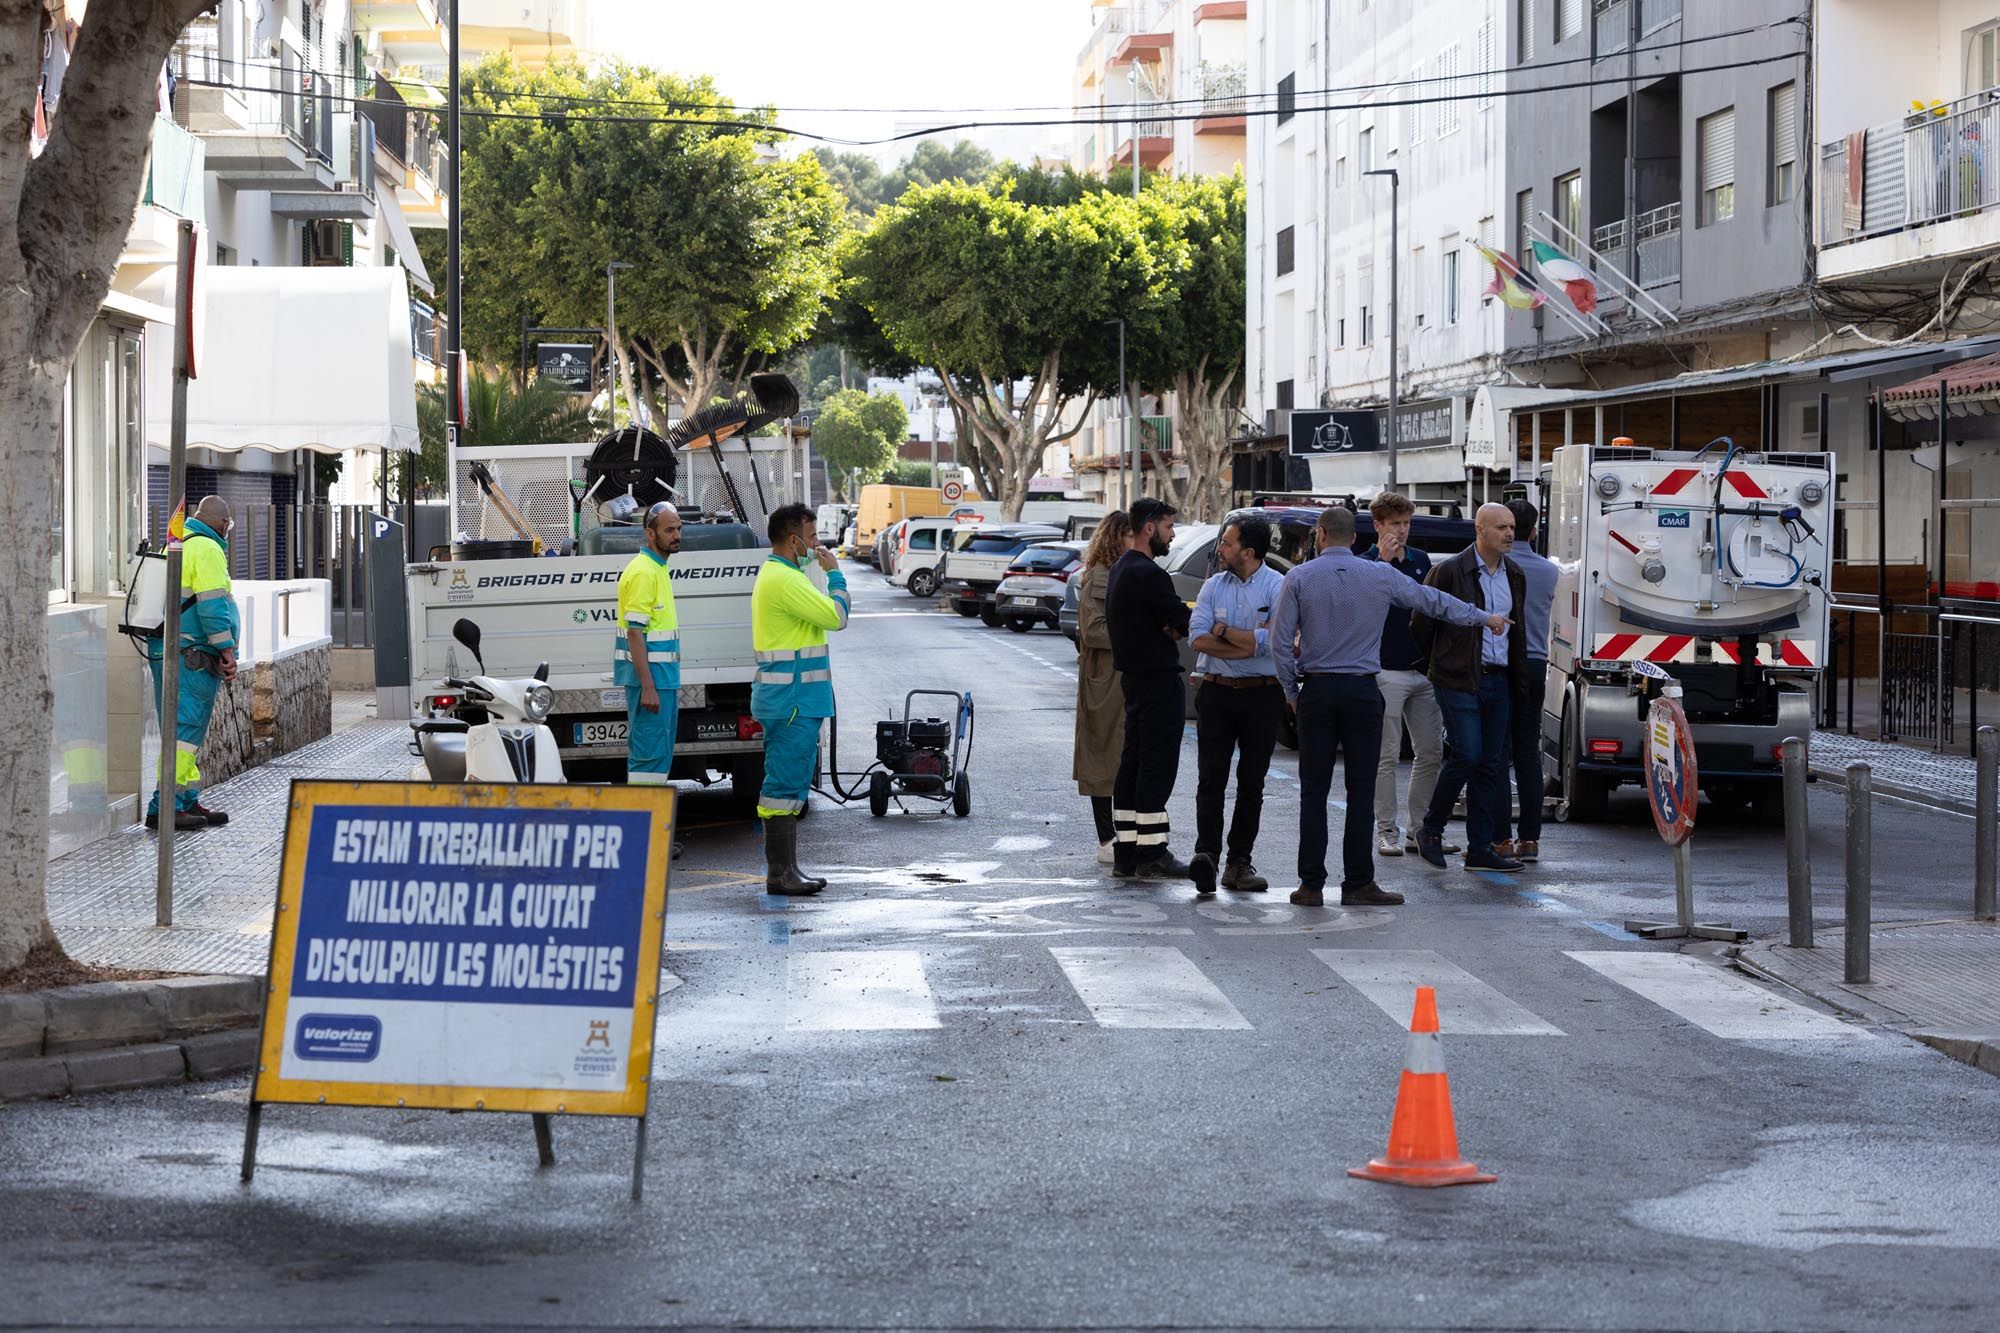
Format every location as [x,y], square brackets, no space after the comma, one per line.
[1680,648]
[1744,484]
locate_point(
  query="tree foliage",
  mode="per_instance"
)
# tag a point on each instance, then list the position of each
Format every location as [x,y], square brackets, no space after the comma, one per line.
[499,412]
[868,187]
[732,248]
[860,432]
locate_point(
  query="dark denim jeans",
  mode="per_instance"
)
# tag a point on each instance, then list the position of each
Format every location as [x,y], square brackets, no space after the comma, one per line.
[1524,731]
[1339,717]
[1475,725]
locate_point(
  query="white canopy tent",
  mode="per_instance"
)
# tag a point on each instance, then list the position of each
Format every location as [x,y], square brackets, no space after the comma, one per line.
[294,358]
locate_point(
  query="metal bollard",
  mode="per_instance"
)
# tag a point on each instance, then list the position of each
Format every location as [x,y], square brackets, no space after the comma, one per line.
[1986,822]
[1860,869]
[1798,846]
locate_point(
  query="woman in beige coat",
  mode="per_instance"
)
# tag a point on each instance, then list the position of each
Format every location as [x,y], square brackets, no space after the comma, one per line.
[1100,699]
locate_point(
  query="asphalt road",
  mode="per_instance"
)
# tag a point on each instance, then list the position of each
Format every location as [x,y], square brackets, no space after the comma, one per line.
[976,1084]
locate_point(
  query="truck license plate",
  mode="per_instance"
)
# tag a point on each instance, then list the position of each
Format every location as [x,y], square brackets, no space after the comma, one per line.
[601,733]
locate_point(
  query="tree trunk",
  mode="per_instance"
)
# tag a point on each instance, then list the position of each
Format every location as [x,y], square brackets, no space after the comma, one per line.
[1010,440]
[1204,415]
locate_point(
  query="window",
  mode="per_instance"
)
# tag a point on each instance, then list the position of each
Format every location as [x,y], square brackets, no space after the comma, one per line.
[1447,86]
[1365,149]
[1982,58]
[1449,279]
[1284,395]
[1288,102]
[1420,297]
[1524,22]
[1367,325]
[224,256]
[1569,209]
[1715,144]
[1339,171]
[1286,253]
[924,539]
[1046,559]
[1784,142]
[1413,108]
[1483,62]
[1524,217]
[1569,19]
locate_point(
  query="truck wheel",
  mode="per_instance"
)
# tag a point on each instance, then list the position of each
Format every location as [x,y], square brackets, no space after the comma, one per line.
[961,796]
[746,779]
[923,583]
[1767,807]
[966,609]
[878,794]
[1584,796]
[988,617]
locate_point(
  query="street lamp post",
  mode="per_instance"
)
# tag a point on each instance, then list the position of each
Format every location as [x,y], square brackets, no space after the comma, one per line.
[1128,467]
[611,271]
[1395,322]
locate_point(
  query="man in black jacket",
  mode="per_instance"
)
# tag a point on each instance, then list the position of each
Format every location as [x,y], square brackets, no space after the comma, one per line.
[1146,619]
[1476,673]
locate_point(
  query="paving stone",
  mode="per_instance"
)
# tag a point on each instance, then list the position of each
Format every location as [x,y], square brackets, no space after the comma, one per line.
[23,1021]
[33,1080]
[126,1067]
[205,1004]
[1943,781]
[218,1054]
[103,1014]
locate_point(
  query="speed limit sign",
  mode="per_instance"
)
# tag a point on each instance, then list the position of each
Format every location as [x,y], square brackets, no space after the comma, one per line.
[953,491]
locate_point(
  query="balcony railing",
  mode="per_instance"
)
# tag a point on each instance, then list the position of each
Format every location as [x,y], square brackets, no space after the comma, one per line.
[261,95]
[1223,89]
[423,331]
[1612,22]
[1658,236]
[1922,169]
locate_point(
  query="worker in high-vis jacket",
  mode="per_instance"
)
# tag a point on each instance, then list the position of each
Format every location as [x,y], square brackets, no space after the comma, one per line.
[204,654]
[647,657]
[792,693]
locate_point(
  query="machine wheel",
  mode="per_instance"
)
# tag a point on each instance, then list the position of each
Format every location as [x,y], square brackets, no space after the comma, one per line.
[961,796]
[1288,729]
[1019,624]
[878,794]
[746,779]
[923,583]
[1584,796]
[988,617]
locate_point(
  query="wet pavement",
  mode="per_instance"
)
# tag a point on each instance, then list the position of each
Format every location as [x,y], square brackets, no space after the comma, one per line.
[977,1085]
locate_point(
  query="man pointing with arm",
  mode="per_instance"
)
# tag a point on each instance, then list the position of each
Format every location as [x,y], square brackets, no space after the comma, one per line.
[1333,607]
[793,690]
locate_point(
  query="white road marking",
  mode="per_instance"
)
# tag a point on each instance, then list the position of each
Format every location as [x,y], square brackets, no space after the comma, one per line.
[1146,988]
[1467,1006]
[1713,998]
[1020,844]
[858,990]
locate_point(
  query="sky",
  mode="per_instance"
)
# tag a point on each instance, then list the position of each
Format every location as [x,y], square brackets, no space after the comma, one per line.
[925,60]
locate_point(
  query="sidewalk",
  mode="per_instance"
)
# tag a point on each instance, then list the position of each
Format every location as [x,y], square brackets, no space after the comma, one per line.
[1941,781]
[225,879]
[1938,981]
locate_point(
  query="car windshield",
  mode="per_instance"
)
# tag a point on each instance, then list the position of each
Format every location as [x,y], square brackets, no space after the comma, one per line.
[982,545]
[1043,559]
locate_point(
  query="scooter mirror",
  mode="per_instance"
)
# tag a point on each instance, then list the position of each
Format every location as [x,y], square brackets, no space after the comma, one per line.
[467,633]
[542,672]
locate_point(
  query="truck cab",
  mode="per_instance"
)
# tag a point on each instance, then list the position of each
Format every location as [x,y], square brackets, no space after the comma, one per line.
[1711,564]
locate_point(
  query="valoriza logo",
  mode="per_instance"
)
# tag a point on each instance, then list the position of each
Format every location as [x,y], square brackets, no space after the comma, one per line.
[347,1037]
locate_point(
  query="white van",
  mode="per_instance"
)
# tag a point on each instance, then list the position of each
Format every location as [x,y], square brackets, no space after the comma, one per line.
[923,544]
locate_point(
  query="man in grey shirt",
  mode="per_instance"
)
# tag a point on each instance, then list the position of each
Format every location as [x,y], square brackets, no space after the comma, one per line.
[1524,722]
[1326,636]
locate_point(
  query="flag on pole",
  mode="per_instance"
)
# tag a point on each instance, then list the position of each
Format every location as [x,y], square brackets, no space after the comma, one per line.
[1572,277]
[1508,284]
[177,522]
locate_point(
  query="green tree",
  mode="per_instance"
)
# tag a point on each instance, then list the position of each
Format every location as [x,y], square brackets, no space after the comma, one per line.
[857,176]
[731,248]
[498,412]
[860,432]
[1007,302]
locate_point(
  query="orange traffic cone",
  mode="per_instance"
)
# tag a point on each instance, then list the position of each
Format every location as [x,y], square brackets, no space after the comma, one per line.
[1423,1141]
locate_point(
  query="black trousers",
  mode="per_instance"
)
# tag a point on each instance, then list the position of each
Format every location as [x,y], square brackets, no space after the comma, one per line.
[1230,721]
[1155,713]
[1339,716]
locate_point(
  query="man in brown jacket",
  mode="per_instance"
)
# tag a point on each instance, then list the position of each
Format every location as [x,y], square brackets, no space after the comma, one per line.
[1476,673]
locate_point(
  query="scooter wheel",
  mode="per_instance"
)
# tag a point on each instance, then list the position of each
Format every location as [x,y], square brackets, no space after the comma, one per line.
[961,796]
[878,794]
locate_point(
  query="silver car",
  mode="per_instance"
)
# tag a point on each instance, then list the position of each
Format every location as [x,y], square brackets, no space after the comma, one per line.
[1032,592]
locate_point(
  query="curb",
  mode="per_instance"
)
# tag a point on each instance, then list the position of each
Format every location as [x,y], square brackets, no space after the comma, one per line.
[110,1035]
[1981,1050]
[150,1064]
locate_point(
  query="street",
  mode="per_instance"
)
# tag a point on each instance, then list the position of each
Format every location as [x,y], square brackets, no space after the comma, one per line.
[977,1083]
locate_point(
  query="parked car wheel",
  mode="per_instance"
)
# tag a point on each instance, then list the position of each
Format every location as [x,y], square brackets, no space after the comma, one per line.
[966,609]
[1020,624]
[923,583]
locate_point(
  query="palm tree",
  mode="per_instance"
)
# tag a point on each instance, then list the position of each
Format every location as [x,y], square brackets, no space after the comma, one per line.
[498,413]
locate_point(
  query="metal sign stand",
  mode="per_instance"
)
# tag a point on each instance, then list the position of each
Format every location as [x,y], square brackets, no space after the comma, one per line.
[1669,754]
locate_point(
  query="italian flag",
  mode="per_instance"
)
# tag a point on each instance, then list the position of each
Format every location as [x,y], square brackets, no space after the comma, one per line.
[1572,277]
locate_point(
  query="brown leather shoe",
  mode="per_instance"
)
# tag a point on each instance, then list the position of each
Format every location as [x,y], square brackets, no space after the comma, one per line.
[1305,897]
[1527,849]
[1370,895]
[1504,849]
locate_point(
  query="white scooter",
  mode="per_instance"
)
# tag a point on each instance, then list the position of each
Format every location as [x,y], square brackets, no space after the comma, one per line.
[513,744]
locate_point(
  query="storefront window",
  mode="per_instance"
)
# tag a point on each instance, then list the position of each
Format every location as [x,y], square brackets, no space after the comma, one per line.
[103,478]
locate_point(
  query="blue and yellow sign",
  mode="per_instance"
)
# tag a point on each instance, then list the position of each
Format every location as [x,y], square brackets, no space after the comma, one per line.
[474,947]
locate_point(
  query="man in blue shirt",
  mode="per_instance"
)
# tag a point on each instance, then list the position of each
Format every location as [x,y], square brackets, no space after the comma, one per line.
[1538,573]
[1326,638]
[1237,705]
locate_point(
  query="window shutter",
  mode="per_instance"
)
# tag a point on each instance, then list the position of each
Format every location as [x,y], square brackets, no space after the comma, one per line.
[1785,124]
[1570,19]
[1716,137]
[347,244]
[1526,18]
[1449,87]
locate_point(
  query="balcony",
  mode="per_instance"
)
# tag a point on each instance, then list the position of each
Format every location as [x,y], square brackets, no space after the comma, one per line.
[1155,139]
[1658,254]
[264,125]
[174,170]
[1611,22]
[1224,101]
[406,32]
[1215,11]
[353,198]
[1144,47]
[1921,188]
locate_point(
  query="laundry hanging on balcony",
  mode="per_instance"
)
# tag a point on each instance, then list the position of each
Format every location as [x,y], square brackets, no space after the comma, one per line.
[1575,280]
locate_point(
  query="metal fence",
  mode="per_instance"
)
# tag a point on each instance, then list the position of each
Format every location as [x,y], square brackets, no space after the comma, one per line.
[1924,168]
[1933,662]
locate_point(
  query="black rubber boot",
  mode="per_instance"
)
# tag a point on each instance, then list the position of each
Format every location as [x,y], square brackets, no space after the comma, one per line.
[781,864]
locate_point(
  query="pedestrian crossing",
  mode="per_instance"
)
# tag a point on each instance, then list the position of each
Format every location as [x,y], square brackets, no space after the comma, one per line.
[1162,988]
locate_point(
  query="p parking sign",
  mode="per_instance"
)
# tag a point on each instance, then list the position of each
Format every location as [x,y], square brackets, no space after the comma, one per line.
[476,947]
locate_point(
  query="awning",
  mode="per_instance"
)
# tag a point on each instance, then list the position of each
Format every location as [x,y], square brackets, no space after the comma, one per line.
[1971,389]
[294,358]
[404,240]
[1492,421]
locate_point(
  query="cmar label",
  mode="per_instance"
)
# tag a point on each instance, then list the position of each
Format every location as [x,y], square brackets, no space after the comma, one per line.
[1674,518]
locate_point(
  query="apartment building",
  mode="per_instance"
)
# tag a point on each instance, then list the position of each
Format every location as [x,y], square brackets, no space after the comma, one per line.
[1167,78]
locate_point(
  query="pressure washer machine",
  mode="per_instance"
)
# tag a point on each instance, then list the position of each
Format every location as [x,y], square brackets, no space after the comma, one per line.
[923,757]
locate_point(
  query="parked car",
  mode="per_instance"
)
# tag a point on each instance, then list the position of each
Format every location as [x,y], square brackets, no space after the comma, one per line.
[920,548]
[1069,619]
[971,571]
[1032,592]
[887,542]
